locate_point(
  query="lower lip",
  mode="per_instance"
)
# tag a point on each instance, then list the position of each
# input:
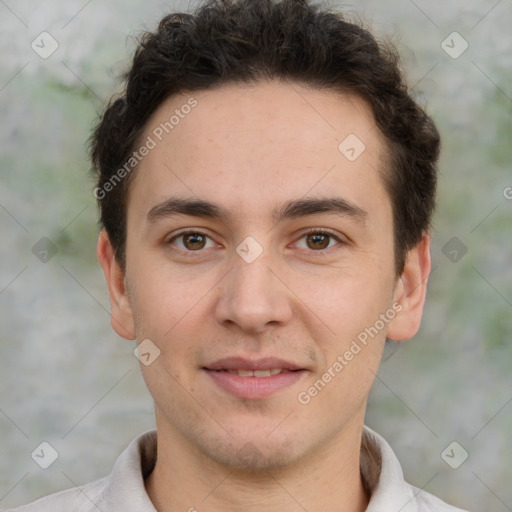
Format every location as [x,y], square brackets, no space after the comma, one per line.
[254,388]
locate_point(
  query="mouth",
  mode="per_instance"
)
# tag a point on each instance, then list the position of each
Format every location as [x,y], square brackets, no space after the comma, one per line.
[256,373]
[253,379]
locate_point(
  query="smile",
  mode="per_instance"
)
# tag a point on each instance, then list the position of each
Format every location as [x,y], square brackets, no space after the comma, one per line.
[256,373]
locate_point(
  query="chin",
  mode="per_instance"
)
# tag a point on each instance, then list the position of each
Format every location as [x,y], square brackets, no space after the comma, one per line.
[254,455]
[251,445]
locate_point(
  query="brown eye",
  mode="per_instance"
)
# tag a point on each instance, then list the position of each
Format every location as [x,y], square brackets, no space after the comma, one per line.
[317,241]
[191,241]
[194,241]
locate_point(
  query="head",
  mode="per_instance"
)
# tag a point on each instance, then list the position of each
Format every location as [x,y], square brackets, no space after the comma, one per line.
[283,139]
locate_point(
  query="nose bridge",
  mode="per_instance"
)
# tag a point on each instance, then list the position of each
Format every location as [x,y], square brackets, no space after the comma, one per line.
[253,276]
[251,296]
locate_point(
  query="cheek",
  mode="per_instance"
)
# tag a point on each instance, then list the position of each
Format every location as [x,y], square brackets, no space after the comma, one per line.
[345,301]
[173,317]
[162,302]
[352,348]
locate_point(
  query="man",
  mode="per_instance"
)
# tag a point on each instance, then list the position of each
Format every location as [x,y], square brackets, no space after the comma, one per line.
[266,185]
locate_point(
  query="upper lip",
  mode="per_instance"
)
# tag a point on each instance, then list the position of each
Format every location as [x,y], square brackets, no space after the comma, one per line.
[240,363]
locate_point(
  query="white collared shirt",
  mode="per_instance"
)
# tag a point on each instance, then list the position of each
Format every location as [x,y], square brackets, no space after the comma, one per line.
[124,491]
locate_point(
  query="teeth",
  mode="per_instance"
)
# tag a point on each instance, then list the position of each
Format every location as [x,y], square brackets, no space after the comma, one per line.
[256,373]
[262,373]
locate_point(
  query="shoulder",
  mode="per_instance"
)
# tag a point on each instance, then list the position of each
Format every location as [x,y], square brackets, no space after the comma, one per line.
[79,499]
[122,491]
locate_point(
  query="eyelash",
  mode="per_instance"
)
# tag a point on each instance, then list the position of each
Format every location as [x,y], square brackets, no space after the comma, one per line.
[322,231]
[309,231]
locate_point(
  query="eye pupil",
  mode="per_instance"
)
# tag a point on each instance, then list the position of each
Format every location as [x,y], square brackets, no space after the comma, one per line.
[319,241]
[194,241]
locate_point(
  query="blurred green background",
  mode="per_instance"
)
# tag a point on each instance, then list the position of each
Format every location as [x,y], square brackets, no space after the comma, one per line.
[68,379]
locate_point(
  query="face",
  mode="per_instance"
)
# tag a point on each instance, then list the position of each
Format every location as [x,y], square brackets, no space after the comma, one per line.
[260,263]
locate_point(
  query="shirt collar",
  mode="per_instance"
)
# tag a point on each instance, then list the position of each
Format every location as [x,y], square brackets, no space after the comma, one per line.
[126,490]
[380,471]
[383,477]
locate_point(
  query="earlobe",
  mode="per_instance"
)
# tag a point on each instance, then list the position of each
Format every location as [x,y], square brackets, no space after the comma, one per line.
[121,315]
[410,292]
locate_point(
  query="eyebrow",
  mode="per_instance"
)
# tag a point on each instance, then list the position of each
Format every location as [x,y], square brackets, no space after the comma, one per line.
[290,210]
[192,207]
[311,206]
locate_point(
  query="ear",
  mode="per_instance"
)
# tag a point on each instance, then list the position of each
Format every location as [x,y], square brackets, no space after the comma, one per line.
[121,316]
[410,291]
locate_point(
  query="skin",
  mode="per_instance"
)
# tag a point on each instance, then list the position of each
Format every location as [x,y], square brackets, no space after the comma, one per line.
[251,149]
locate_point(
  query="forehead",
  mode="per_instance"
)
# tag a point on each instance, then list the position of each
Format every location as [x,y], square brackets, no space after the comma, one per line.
[270,141]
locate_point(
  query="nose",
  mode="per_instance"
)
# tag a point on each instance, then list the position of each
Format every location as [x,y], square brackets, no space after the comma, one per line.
[253,297]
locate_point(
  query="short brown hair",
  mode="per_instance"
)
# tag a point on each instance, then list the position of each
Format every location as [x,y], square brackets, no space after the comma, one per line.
[248,41]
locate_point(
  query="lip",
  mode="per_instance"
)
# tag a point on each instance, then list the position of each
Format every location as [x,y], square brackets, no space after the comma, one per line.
[253,388]
[240,363]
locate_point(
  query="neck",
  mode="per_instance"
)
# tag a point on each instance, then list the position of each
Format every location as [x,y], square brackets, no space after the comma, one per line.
[329,479]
